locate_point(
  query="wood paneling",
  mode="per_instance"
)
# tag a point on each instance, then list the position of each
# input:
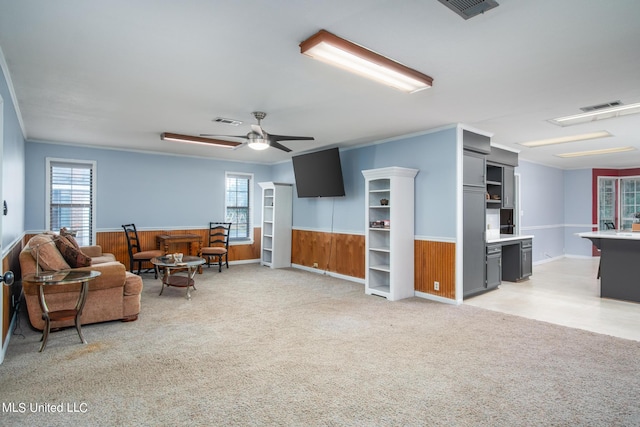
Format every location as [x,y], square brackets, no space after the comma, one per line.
[338,253]
[10,262]
[435,261]
[115,242]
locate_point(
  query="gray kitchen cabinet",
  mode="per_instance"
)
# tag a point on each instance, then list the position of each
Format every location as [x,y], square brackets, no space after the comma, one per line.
[473,253]
[473,169]
[526,252]
[516,260]
[494,265]
[508,188]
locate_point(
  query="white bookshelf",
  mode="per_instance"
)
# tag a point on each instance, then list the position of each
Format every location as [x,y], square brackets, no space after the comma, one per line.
[277,214]
[389,241]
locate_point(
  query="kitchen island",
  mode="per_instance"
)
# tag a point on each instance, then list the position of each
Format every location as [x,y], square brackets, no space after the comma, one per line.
[619,263]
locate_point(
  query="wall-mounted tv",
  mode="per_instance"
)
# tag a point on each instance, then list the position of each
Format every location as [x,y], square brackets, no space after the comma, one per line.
[319,174]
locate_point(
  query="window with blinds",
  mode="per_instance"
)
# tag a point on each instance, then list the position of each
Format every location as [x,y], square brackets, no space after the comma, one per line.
[238,207]
[71,198]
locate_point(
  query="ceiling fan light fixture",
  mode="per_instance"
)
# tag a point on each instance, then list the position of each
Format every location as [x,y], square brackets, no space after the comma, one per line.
[257,142]
[176,137]
[327,47]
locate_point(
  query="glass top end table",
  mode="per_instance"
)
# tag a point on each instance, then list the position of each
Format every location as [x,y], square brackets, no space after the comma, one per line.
[56,278]
[188,263]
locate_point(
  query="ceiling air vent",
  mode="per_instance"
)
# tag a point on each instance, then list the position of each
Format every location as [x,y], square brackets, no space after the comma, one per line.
[469,8]
[601,106]
[227,121]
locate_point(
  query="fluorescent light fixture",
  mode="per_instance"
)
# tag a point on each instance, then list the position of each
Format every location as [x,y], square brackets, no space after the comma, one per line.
[596,152]
[600,114]
[349,56]
[166,136]
[564,139]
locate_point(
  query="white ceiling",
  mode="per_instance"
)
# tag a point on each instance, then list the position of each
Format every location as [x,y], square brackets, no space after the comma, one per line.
[118,73]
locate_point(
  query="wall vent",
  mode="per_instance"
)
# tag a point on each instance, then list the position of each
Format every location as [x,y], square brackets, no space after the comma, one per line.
[227,121]
[601,106]
[469,8]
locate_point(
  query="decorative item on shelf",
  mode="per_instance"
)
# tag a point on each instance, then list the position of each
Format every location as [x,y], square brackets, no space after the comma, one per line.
[387,223]
[488,196]
[495,197]
[384,202]
[376,224]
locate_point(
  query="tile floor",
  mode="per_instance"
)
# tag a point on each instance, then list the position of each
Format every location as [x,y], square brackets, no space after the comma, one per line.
[565,292]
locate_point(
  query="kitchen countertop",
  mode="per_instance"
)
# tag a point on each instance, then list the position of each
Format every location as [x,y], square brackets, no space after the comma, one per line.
[509,237]
[622,235]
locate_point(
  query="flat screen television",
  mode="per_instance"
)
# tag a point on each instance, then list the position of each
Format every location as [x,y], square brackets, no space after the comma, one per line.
[319,174]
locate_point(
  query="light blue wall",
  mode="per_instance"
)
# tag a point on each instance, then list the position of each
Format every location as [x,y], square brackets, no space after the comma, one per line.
[159,191]
[542,198]
[13,165]
[556,205]
[577,211]
[150,190]
[433,154]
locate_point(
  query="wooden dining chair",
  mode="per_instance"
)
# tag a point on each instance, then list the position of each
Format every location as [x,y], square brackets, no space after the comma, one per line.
[136,254]
[218,246]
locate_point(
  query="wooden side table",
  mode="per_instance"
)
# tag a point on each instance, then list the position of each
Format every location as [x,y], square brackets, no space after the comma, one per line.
[164,242]
[57,278]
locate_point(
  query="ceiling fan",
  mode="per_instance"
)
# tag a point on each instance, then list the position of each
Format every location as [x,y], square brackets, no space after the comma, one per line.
[258,139]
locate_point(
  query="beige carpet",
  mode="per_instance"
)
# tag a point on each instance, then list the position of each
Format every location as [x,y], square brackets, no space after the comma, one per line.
[264,347]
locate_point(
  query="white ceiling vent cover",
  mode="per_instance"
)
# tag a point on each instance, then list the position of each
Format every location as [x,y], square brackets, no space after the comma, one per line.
[469,8]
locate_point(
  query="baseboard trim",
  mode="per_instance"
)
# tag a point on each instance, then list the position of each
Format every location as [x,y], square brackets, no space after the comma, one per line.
[436,298]
[329,273]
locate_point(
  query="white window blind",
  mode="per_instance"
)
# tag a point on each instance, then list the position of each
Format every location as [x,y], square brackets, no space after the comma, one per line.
[71,196]
[238,207]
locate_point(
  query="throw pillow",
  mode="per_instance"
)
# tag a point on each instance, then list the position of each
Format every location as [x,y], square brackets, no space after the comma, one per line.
[45,252]
[70,236]
[72,255]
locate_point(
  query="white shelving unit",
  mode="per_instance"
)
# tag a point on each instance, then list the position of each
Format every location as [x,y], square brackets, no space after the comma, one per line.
[277,213]
[389,269]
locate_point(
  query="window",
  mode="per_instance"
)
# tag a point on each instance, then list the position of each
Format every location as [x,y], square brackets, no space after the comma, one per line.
[71,197]
[238,195]
[618,202]
[630,201]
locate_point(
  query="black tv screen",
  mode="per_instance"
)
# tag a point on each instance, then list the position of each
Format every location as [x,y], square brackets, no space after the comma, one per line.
[319,174]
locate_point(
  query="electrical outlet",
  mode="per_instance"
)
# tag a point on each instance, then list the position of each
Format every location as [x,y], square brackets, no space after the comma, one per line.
[315,265]
[436,286]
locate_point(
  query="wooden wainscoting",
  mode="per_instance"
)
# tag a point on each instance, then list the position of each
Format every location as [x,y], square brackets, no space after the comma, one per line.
[11,262]
[335,252]
[115,242]
[435,261]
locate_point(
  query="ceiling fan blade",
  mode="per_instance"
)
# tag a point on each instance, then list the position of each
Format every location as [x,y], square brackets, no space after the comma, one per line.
[257,129]
[290,138]
[279,146]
